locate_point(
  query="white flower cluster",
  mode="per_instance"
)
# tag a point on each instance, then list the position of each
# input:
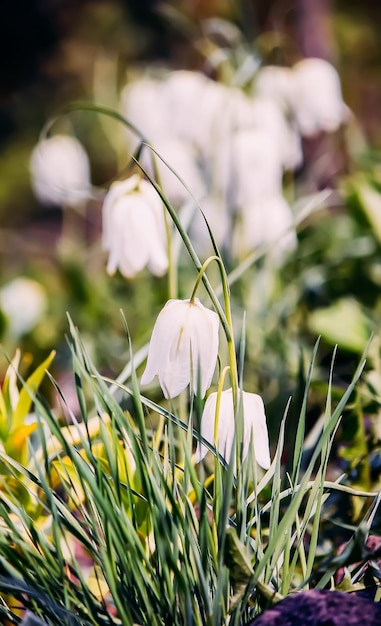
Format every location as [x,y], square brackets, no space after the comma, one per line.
[231,148]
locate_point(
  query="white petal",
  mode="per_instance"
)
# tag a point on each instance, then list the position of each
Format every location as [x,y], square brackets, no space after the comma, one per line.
[150,195]
[226,428]
[133,228]
[23,301]
[183,93]
[185,335]
[176,370]
[257,166]
[162,349]
[158,262]
[271,119]
[255,426]
[218,216]
[137,100]
[207,426]
[129,223]
[182,156]
[204,325]
[274,82]
[266,220]
[154,229]
[226,425]
[317,98]
[117,190]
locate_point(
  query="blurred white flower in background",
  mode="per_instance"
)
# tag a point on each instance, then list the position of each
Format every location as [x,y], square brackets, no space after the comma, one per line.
[267,220]
[254,427]
[184,97]
[316,97]
[60,171]
[196,105]
[263,216]
[256,166]
[271,118]
[183,348]
[142,105]
[182,157]
[23,301]
[168,112]
[310,92]
[219,219]
[134,228]
[275,83]
[232,147]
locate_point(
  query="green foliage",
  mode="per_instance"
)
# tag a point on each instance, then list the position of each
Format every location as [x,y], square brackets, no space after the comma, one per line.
[129,531]
[17,425]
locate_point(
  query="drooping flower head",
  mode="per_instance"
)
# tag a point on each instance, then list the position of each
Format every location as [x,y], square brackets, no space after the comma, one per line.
[178,156]
[268,220]
[183,347]
[316,97]
[274,82]
[60,171]
[137,100]
[134,228]
[254,427]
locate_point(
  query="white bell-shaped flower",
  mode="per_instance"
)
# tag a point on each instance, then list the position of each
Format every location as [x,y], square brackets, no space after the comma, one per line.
[239,111]
[316,97]
[183,348]
[271,118]
[195,104]
[142,104]
[254,427]
[217,214]
[257,167]
[60,171]
[274,82]
[266,220]
[180,158]
[218,151]
[184,97]
[134,228]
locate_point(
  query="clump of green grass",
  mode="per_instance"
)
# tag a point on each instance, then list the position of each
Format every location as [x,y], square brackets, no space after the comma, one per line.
[121,526]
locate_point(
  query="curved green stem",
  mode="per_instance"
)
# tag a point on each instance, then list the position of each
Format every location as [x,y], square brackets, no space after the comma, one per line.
[229,321]
[172,269]
[95,108]
[201,273]
[216,494]
[220,387]
[191,251]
